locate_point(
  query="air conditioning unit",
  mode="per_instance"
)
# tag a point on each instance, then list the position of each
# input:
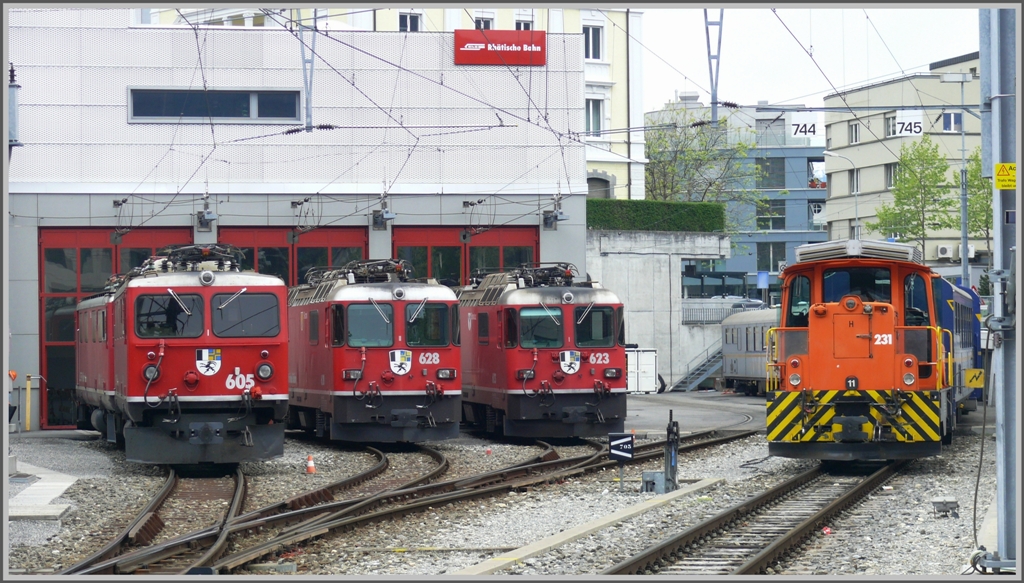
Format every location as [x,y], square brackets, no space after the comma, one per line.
[944,251]
[970,251]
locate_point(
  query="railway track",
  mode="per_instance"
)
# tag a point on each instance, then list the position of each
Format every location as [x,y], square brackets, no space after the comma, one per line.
[752,535]
[237,538]
[182,503]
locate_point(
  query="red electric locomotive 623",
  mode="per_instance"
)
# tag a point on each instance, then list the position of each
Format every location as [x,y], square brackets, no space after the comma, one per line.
[375,355]
[183,360]
[543,356]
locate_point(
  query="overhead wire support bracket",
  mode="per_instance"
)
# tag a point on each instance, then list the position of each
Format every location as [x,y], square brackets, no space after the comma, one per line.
[307,62]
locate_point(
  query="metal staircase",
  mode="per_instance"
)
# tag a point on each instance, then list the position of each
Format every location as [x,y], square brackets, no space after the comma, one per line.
[700,368]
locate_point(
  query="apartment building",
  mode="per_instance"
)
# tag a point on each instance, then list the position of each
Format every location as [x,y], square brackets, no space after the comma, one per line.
[866,140]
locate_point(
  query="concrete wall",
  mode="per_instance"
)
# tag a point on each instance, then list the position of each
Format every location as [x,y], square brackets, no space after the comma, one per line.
[644,268]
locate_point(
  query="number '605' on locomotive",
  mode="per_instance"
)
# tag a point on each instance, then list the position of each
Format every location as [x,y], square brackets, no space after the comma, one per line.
[872,354]
[184,360]
[542,356]
[375,355]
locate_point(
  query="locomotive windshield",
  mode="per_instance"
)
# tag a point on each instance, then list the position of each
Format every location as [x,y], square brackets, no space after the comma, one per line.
[872,284]
[540,327]
[370,325]
[245,315]
[426,324]
[595,327]
[164,316]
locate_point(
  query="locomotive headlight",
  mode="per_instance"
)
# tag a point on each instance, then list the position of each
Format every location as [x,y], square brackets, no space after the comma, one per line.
[446,373]
[351,374]
[908,379]
[264,371]
[612,373]
[151,372]
[524,374]
[794,379]
[908,363]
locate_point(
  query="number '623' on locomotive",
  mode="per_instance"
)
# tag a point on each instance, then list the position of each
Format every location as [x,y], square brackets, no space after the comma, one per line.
[542,356]
[872,354]
[184,360]
[375,355]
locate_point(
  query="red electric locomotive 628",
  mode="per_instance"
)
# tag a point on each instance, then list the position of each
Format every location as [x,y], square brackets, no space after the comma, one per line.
[183,360]
[543,356]
[375,355]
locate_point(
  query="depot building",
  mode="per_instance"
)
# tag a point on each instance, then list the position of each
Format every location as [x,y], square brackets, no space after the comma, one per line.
[303,149]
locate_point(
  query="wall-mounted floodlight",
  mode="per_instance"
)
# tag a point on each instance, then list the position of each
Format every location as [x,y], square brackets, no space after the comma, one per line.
[380,219]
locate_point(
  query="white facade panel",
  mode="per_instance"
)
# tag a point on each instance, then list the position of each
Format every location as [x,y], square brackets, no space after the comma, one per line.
[382,87]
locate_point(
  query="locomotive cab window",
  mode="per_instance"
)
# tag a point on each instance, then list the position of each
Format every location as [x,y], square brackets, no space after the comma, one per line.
[915,299]
[166,316]
[872,284]
[426,324]
[314,327]
[483,329]
[799,302]
[370,325]
[511,328]
[620,324]
[245,315]
[540,327]
[337,325]
[594,327]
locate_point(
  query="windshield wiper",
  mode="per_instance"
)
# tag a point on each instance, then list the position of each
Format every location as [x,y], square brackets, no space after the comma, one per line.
[418,310]
[585,312]
[180,303]
[228,301]
[557,323]
[379,311]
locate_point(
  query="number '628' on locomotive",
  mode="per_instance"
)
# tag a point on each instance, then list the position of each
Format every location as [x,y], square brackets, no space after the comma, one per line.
[543,357]
[184,360]
[870,358]
[375,355]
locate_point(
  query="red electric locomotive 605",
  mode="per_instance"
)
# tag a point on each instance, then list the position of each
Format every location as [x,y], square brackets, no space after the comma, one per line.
[543,356]
[183,359]
[375,355]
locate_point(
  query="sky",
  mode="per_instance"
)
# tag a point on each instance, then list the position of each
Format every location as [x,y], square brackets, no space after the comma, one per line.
[760,60]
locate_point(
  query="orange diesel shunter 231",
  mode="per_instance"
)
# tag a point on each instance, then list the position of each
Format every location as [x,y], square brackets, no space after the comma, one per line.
[872,354]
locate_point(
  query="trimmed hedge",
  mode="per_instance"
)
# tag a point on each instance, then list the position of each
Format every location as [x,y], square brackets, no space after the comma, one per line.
[650,215]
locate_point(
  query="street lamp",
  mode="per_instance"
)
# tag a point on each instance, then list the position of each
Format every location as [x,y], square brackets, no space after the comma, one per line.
[856,211]
[961,78]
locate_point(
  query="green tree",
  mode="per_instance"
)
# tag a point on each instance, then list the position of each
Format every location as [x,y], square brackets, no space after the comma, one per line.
[979,203]
[689,160]
[924,199]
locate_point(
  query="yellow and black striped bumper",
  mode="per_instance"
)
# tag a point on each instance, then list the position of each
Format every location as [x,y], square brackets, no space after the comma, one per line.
[826,416]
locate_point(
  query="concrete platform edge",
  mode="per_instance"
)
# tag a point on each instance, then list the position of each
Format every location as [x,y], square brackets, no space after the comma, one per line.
[546,544]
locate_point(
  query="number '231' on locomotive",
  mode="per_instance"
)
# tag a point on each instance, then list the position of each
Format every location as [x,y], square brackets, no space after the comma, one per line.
[375,355]
[183,359]
[871,356]
[542,357]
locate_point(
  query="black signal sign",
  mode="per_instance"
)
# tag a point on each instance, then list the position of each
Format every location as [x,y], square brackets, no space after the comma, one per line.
[620,446]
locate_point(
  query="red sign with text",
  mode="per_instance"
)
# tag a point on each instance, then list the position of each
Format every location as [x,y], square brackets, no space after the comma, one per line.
[500,47]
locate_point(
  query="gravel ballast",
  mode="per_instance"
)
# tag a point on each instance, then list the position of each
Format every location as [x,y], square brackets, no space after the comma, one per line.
[109,490]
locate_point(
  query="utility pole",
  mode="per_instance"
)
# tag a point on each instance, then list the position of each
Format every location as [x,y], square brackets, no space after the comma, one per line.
[713,61]
[962,78]
[998,52]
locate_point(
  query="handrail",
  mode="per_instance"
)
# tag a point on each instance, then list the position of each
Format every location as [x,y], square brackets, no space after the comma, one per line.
[700,359]
[771,359]
[947,357]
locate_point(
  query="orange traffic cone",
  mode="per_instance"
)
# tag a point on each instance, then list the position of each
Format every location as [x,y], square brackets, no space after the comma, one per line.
[310,468]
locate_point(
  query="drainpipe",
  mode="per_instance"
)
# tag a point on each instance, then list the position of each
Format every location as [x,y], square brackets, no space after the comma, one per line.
[12,115]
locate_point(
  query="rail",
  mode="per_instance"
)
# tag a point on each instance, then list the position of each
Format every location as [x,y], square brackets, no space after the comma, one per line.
[710,315]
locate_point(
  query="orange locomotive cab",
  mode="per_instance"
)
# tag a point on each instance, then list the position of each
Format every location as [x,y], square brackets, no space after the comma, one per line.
[856,369]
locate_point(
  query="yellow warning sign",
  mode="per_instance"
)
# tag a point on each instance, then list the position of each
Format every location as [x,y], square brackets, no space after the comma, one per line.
[974,378]
[1006,176]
